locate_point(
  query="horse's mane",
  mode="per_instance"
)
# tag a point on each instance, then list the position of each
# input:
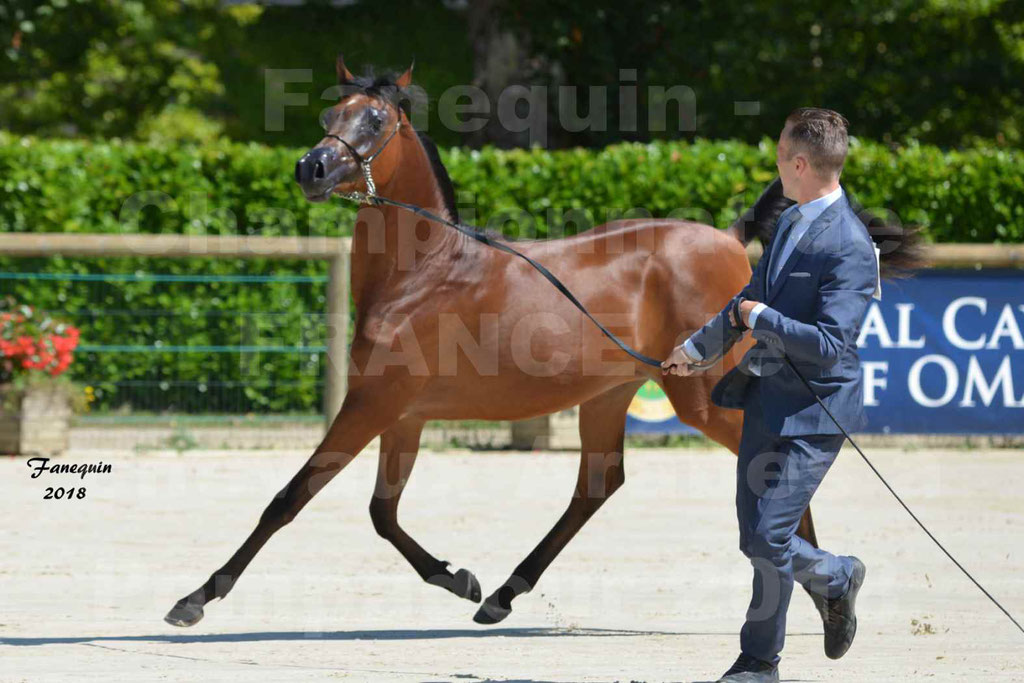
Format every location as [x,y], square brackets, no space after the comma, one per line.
[441,175]
[901,246]
[384,85]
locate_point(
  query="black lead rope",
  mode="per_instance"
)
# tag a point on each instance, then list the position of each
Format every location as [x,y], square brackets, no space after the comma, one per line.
[548,275]
[501,246]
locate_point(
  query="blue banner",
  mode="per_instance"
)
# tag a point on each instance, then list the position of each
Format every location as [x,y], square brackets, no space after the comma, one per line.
[941,353]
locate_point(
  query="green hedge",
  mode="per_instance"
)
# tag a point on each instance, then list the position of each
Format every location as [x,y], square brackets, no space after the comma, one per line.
[975,195]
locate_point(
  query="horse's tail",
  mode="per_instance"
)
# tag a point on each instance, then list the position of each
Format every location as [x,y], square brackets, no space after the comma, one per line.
[760,219]
[901,246]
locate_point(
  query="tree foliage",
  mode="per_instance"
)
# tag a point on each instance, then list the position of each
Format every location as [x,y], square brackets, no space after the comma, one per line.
[129,68]
[941,71]
[945,72]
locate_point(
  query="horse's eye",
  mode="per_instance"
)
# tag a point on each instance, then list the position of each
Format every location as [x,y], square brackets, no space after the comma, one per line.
[376,121]
[327,118]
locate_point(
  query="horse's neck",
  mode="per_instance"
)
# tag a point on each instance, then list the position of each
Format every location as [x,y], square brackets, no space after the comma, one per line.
[391,244]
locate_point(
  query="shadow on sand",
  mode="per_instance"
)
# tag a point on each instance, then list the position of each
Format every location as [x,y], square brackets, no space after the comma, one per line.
[368,634]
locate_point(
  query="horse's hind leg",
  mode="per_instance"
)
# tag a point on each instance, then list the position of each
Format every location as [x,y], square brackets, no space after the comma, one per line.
[602,432]
[398,448]
[363,416]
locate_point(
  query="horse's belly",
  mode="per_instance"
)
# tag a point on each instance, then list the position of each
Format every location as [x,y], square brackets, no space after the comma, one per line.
[505,398]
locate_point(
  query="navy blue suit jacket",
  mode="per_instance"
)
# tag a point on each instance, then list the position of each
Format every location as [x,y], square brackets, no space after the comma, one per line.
[815,309]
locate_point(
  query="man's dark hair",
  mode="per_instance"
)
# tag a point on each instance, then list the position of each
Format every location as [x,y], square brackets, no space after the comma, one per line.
[821,135]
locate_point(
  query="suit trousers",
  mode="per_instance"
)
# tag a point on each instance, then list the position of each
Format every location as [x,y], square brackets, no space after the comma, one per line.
[775,479]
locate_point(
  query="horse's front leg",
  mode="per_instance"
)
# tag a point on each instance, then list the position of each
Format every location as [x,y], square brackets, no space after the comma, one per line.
[365,413]
[398,448]
[602,433]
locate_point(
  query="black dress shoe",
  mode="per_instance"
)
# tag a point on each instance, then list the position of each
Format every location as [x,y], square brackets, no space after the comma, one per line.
[839,615]
[749,669]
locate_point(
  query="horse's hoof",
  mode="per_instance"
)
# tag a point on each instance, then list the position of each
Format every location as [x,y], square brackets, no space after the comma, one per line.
[184,613]
[466,586]
[462,583]
[491,612]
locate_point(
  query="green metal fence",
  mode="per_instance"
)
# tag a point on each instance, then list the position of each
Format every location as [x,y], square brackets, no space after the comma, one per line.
[196,355]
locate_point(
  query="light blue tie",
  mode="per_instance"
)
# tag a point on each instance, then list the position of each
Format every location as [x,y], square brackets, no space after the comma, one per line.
[779,253]
[775,262]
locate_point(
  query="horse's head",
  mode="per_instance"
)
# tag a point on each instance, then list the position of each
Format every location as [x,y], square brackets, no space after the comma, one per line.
[357,129]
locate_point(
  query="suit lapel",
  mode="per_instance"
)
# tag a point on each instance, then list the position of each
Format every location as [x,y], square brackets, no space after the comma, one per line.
[816,228]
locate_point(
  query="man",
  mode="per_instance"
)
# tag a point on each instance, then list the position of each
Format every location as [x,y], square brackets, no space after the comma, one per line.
[806,300]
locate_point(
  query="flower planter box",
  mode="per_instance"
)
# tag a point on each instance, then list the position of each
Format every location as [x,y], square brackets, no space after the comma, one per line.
[35,401]
[35,422]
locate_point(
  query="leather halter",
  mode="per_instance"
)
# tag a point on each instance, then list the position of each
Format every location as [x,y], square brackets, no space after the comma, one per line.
[364,165]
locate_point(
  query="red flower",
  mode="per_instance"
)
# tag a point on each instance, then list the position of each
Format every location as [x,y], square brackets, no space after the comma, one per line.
[26,345]
[27,342]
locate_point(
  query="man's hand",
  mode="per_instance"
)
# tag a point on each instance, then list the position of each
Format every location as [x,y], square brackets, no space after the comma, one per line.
[678,363]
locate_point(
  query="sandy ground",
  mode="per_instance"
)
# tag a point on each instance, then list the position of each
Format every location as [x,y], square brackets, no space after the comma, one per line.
[653,589]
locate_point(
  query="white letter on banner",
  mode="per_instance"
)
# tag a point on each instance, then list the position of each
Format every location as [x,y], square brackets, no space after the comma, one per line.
[976,380]
[903,340]
[874,377]
[914,380]
[875,324]
[1006,326]
[949,322]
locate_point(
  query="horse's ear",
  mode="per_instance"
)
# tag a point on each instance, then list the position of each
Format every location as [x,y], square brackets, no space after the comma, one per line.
[405,80]
[344,75]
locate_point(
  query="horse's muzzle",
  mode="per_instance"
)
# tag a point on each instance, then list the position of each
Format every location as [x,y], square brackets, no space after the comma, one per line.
[320,170]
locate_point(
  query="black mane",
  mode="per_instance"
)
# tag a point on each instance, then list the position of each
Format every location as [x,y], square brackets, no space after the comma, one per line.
[441,174]
[383,86]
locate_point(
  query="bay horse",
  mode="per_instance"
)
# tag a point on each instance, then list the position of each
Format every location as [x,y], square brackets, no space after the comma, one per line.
[483,336]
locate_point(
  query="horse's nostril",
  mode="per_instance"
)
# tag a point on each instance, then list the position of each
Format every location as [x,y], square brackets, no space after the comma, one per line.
[318,172]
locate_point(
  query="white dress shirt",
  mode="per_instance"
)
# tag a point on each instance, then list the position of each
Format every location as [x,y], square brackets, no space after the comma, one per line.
[807,214]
